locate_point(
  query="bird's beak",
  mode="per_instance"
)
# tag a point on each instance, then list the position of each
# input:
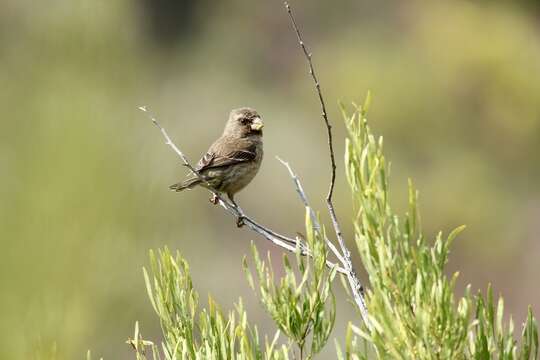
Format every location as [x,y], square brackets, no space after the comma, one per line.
[257,124]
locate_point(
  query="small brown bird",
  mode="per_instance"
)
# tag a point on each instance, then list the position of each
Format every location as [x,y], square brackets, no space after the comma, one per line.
[234,159]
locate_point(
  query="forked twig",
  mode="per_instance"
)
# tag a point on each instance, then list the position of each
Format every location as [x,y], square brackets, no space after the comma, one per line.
[314,220]
[354,282]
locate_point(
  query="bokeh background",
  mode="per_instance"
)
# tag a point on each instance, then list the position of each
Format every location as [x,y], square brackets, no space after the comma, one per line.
[84,175]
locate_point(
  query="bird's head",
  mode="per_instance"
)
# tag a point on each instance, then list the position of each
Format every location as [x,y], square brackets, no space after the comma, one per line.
[244,122]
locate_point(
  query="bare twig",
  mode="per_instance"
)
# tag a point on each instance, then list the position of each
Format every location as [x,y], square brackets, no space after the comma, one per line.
[354,282]
[314,220]
[324,114]
[282,241]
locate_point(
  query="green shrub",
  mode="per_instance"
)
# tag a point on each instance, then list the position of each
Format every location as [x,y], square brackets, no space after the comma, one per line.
[413,313]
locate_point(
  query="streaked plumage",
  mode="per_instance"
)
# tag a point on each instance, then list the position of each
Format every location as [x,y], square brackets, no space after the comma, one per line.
[233,160]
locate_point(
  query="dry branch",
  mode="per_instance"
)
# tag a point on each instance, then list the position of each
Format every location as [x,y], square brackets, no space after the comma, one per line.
[354,282]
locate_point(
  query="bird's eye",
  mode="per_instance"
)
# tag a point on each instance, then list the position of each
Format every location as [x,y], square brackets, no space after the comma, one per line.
[244,121]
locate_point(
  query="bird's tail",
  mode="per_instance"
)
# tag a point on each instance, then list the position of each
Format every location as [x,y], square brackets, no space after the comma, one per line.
[187,184]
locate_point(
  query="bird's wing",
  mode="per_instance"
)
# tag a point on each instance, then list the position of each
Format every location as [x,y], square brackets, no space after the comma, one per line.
[205,161]
[213,159]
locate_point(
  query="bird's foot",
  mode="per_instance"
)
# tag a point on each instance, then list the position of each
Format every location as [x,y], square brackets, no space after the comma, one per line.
[240,221]
[214,199]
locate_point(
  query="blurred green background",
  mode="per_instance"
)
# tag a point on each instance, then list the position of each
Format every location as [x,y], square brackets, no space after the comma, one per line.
[456,88]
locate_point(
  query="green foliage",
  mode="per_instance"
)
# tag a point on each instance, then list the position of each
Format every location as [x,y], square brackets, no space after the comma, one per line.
[193,333]
[413,312]
[302,308]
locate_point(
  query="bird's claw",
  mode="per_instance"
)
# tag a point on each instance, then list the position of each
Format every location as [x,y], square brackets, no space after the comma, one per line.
[240,221]
[214,199]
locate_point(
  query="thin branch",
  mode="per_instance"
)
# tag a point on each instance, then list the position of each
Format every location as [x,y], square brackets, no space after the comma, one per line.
[282,241]
[324,114]
[314,220]
[351,276]
[169,142]
[354,282]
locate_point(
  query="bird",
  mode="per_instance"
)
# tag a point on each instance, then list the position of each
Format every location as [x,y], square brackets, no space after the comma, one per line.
[233,160]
